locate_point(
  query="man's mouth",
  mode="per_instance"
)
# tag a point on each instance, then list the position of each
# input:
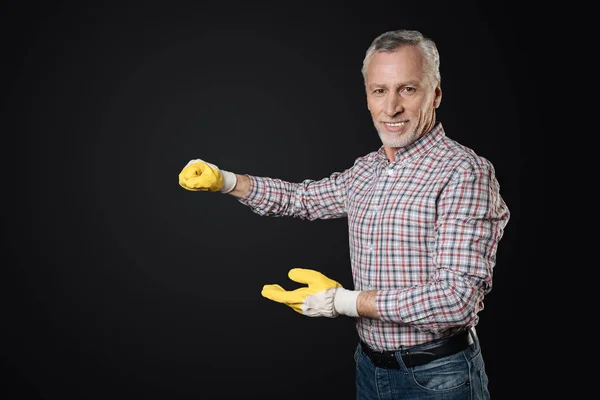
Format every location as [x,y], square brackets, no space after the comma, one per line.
[394,124]
[395,127]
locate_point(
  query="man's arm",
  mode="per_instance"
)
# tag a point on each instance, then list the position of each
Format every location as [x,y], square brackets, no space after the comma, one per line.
[309,199]
[365,304]
[470,221]
[242,186]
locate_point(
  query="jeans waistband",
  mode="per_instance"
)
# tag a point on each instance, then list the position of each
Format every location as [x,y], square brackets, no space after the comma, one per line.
[420,355]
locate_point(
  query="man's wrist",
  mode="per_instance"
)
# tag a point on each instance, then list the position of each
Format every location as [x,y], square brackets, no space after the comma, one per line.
[344,302]
[229,181]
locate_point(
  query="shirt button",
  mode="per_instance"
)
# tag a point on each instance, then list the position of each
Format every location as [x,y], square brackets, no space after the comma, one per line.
[390,172]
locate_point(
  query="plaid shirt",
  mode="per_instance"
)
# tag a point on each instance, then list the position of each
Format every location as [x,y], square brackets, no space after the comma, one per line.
[423,232]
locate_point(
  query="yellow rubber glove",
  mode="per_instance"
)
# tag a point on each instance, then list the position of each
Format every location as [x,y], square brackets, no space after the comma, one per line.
[199,175]
[323,297]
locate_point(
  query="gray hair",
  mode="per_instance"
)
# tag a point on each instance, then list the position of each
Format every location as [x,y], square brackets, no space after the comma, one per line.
[390,41]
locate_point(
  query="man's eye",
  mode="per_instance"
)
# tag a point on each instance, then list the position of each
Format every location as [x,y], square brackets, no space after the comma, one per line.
[378,91]
[409,90]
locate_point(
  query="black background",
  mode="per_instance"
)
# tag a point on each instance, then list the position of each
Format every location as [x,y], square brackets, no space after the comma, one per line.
[123,285]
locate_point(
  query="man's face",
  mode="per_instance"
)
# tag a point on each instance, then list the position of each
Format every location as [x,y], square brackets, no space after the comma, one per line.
[401,98]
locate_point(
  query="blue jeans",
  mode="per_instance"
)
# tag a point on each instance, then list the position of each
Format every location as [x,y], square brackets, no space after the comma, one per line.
[458,376]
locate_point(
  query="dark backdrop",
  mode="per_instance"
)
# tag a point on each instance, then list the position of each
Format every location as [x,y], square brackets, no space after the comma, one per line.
[123,285]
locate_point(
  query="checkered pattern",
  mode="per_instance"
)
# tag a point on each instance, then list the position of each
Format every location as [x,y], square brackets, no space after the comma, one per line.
[423,232]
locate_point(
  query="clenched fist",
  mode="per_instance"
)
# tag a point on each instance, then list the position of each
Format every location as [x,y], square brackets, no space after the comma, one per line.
[199,175]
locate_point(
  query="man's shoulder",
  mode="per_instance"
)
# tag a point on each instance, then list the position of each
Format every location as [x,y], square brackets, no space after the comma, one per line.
[368,158]
[462,154]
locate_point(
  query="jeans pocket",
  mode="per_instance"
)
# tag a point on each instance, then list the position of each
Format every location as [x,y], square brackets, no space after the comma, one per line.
[450,373]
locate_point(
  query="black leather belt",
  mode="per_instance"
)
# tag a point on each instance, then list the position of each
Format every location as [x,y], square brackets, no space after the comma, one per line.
[418,355]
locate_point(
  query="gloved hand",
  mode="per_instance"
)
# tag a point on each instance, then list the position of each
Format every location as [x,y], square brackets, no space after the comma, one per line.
[323,297]
[199,175]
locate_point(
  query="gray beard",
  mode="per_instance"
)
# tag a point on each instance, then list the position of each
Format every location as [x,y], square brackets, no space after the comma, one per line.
[403,141]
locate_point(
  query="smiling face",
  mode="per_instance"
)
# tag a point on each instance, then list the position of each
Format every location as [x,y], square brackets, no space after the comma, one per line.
[401,97]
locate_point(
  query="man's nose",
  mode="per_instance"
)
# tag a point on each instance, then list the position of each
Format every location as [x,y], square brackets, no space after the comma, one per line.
[393,104]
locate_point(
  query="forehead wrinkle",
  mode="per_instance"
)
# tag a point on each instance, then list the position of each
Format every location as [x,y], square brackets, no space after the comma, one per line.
[398,85]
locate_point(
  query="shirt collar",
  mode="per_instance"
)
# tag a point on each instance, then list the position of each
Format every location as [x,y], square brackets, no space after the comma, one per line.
[418,148]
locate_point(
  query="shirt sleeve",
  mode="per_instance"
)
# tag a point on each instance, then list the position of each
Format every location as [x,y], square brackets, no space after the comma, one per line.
[310,199]
[470,223]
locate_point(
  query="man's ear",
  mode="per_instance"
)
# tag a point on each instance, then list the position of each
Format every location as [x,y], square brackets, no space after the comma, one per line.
[438,96]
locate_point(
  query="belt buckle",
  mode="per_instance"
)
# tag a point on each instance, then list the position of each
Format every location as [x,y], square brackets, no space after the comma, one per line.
[387,363]
[382,359]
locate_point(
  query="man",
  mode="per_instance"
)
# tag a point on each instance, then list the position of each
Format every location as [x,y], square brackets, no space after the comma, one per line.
[425,217]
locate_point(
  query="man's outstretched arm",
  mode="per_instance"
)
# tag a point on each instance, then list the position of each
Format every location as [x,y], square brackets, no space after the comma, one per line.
[242,186]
